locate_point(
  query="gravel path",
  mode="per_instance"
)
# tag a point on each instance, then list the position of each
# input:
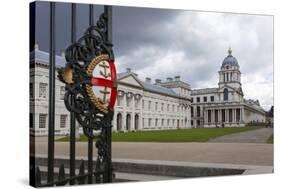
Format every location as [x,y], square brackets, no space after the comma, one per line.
[255,136]
[229,153]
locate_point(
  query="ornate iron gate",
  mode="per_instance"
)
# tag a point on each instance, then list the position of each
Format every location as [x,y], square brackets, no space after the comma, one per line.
[91,108]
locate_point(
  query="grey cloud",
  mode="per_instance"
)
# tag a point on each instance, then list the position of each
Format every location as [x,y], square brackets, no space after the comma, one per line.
[145,38]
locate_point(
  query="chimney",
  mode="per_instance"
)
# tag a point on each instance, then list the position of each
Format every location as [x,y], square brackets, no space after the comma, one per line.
[169,79]
[157,81]
[177,78]
[62,53]
[36,46]
[128,70]
[147,80]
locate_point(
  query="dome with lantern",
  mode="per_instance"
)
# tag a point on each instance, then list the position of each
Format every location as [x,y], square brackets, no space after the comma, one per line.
[230,60]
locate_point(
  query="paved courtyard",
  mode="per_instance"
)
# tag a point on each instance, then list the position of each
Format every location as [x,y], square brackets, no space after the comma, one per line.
[211,152]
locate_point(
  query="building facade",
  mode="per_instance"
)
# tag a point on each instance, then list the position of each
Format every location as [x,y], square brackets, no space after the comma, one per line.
[225,106]
[141,105]
[39,95]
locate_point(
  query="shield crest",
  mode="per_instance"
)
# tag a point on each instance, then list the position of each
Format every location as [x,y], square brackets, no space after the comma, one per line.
[103,88]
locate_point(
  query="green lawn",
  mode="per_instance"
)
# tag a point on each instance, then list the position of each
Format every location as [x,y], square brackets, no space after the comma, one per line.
[270,140]
[185,135]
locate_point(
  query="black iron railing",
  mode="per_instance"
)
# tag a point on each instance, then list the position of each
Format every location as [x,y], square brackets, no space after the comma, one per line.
[96,41]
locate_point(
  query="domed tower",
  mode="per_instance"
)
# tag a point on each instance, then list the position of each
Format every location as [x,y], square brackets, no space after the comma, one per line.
[230,80]
[229,73]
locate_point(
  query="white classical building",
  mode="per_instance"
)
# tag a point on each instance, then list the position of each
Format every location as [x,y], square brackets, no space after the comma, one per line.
[146,106]
[225,106]
[39,93]
[140,105]
[143,105]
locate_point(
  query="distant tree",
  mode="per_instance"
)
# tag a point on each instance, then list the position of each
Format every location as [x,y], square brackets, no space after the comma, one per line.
[270,112]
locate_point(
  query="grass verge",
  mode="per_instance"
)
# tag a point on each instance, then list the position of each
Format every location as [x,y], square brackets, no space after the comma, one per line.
[182,135]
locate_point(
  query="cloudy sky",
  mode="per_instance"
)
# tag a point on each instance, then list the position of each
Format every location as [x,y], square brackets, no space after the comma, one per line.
[160,43]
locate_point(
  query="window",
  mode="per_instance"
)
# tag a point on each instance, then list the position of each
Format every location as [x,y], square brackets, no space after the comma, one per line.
[63,121]
[137,102]
[198,99]
[62,91]
[191,122]
[237,115]
[168,107]
[156,122]
[31,93]
[119,98]
[216,116]
[209,116]
[227,76]
[198,111]
[128,102]
[173,122]
[42,120]
[191,100]
[223,115]
[212,99]
[162,122]
[178,108]
[162,107]
[156,106]
[205,99]
[191,111]
[31,120]
[142,104]
[149,105]
[149,122]
[225,94]
[230,115]
[43,90]
[173,108]
[168,122]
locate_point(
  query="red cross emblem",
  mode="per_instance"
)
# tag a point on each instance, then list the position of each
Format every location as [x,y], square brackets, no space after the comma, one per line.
[103,88]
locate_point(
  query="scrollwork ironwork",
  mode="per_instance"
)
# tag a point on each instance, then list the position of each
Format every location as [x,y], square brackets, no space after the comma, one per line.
[79,98]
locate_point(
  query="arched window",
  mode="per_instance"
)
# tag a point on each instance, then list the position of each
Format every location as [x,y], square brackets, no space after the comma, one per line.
[128,122]
[225,94]
[119,121]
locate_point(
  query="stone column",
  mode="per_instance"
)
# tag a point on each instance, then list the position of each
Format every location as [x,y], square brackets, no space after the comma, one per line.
[206,116]
[133,113]
[123,125]
[226,116]
[140,115]
[234,115]
[213,116]
[242,114]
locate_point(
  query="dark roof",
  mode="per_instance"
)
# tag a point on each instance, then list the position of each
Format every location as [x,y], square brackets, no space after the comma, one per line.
[43,58]
[149,86]
[231,60]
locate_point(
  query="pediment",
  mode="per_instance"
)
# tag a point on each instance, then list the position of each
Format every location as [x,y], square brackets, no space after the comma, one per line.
[130,80]
[230,89]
